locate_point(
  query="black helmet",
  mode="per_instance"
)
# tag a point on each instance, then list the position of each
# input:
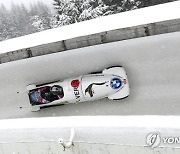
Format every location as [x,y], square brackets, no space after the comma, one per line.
[56,90]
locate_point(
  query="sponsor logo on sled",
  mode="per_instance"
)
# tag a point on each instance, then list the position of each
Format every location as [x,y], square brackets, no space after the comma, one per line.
[116,83]
[76,93]
[75,85]
[90,90]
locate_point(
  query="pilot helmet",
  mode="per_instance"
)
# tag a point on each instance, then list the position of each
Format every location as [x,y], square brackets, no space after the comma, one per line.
[57,90]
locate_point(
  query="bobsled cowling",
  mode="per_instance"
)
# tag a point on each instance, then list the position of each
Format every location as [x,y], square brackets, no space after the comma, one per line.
[111,83]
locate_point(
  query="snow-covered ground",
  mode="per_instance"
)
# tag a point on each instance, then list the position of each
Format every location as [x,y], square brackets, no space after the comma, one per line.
[152,65]
[93,134]
[162,12]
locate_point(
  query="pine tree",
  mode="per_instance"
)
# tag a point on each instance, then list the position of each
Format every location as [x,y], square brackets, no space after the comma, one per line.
[72,11]
[40,16]
[93,11]
[19,21]
[5,23]
[25,19]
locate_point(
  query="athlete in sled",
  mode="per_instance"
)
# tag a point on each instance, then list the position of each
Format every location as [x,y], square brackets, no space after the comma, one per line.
[45,94]
[111,83]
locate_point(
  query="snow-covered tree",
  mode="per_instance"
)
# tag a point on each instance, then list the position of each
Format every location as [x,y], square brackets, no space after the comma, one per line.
[40,16]
[94,12]
[5,23]
[71,11]
[19,20]
[123,5]
[68,12]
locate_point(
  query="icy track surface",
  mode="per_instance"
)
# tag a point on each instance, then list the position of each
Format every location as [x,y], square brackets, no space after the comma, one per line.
[152,65]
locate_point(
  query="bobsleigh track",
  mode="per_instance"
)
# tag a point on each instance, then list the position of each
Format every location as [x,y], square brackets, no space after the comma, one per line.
[152,65]
[145,122]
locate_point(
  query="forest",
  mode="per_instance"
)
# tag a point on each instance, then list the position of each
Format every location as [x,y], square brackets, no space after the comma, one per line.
[21,20]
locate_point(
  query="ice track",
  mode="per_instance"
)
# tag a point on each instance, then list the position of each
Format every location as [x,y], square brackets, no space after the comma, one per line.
[152,65]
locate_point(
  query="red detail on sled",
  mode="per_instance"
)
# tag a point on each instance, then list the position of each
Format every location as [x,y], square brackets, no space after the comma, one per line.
[41,100]
[125,81]
[75,83]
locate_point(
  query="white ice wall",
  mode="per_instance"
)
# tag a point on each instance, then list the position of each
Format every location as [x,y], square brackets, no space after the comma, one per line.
[93,134]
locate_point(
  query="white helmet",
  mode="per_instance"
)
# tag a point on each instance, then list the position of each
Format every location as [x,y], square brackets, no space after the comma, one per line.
[56,90]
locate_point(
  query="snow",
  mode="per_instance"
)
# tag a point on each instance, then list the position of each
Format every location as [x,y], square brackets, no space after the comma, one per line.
[167,11]
[152,121]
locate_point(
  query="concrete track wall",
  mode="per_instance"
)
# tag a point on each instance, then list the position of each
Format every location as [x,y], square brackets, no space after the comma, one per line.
[94,39]
[102,30]
[98,134]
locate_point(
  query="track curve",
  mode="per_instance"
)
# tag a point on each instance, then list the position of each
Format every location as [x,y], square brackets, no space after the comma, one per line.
[152,65]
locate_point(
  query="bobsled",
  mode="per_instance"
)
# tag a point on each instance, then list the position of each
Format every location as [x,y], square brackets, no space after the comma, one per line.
[112,83]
